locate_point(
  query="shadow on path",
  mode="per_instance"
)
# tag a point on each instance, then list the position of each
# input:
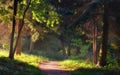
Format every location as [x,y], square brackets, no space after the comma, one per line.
[53,68]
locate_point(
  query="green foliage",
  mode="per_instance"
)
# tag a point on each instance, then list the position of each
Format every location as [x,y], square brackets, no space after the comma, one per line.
[77,42]
[35,33]
[86,67]
[112,62]
[83,47]
[43,12]
[35,36]
[5,46]
[84,50]
[5,12]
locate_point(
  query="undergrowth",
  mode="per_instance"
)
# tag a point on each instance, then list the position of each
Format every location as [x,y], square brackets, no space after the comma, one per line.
[75,64]
[86,67]
[25,64]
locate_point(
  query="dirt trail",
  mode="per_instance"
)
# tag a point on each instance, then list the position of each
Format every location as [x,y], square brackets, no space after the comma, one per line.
[52,68]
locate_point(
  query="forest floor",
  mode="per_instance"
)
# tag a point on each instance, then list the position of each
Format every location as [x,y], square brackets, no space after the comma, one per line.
[53,68]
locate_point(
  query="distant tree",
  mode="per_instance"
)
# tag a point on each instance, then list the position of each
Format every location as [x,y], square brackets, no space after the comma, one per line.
[93,32]
[83,19]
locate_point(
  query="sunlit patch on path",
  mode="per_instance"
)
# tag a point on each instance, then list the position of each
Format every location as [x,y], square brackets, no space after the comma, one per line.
[53,68]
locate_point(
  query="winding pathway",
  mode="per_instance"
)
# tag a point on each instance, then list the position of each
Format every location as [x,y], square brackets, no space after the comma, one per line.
[53,68]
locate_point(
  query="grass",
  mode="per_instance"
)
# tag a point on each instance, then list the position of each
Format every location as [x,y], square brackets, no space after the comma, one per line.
[94,71]
[25,64]
[85,67]
[75,64]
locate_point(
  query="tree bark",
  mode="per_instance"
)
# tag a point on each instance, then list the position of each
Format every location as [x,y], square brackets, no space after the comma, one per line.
[19,45]
[118,55]
[31,45]
[68,50]
[11,53]
[94,43]
[103,52]
[21,26]
[63,48]
[78,50]
[13,48]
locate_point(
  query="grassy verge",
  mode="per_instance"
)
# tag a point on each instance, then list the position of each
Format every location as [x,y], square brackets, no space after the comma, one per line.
[25,64]
[85,67]
[75,64]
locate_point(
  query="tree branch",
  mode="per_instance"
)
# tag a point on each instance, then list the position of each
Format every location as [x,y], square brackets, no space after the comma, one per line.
[85,15]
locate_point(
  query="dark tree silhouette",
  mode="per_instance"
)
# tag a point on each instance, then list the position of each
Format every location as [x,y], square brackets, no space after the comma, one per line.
[12,47]
[11,53]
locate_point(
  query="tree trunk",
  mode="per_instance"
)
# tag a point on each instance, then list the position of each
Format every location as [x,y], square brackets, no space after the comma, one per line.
[13,49]
[11,53]
[77,50]
[118,55]
[19,45]
[31,45]
[103,52]
[21,26]
[63,48]
[68,50]
[94,44]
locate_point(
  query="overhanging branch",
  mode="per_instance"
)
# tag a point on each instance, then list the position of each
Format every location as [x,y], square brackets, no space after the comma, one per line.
[85,15]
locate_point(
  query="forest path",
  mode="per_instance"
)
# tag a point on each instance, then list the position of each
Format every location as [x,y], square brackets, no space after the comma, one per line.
[53,68]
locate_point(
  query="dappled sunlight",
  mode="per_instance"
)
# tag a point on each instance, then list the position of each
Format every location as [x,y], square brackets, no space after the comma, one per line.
[85,67]
[53,68]
[31,59]
[75,64]
[17,67]
[28,58]
[24,64]
[59,37]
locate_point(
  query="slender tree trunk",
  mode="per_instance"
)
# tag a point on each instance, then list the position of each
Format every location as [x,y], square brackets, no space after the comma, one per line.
[11,54]
[31,45]
[19,45]
[18,26]
[94,44]
[13,49]
[68,50]
[78,50]
[118,55]
[103,52]
[63,48]
[21,26]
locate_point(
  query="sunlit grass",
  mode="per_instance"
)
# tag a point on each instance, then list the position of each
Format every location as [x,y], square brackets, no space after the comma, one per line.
[86,67]
[24,64]
[75,64]
[27,58]
[31,59]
